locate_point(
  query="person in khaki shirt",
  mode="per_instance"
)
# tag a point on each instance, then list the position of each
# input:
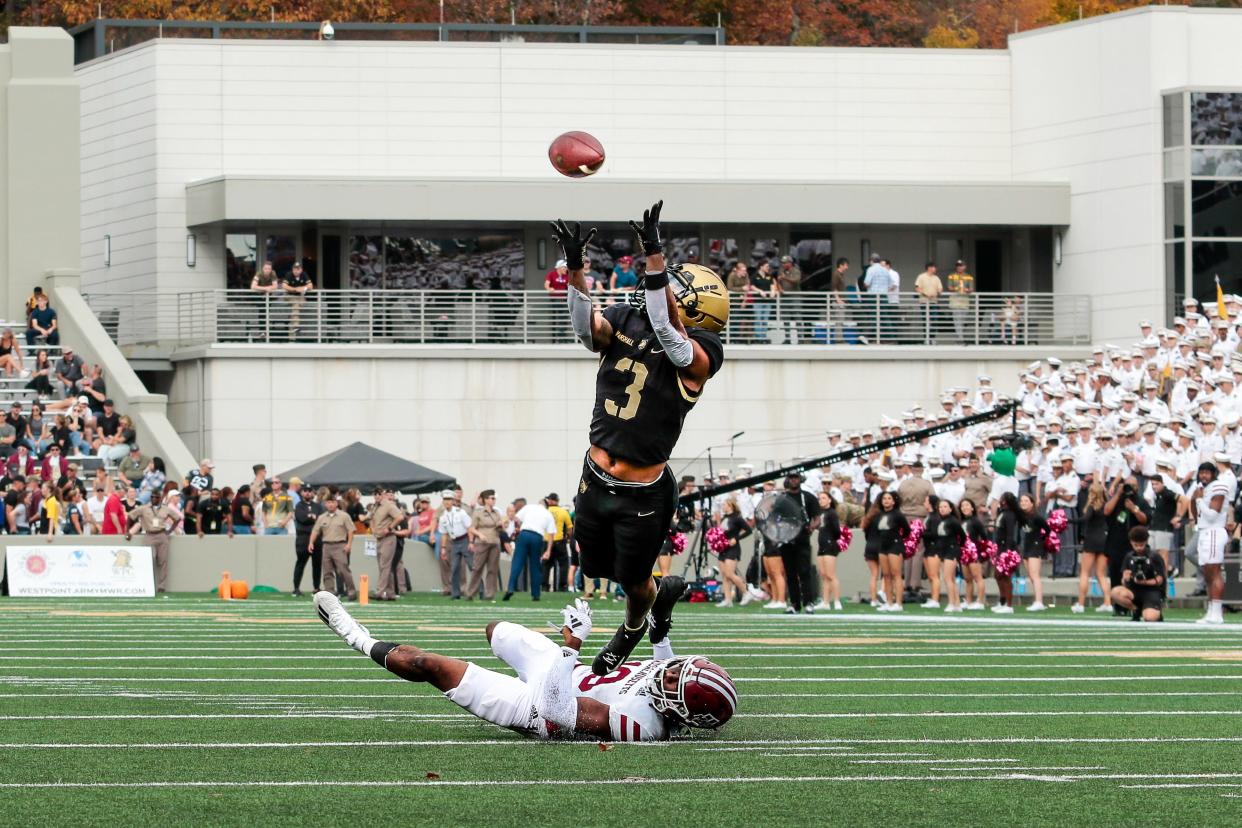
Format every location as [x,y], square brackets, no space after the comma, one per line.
[337,531]
[929,287]
[485,526]
[153,522]
[915,492]
[384,522]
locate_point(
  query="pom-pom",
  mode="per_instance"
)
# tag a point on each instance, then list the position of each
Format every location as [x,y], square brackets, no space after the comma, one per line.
[1007,562]
[987,550]
[717,541]
[1052,542]
[913,537]
[679,542]
[843,541]
[1057,521]
[970,552]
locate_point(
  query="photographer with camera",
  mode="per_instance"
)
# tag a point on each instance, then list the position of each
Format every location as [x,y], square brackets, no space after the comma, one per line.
[1143,576]
[1125,510]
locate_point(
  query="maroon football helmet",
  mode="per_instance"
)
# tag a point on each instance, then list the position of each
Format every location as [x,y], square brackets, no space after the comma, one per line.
[705,695]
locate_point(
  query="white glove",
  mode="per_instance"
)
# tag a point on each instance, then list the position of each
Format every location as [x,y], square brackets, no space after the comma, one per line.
[577,617]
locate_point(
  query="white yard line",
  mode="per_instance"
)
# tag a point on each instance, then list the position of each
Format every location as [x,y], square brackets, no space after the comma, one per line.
[69,680]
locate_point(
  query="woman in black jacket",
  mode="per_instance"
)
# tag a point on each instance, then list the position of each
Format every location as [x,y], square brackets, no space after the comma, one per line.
[942,543]
[890,527]
[1009,526]
[829,548]
[1033,550]
[736,529]
[972,573]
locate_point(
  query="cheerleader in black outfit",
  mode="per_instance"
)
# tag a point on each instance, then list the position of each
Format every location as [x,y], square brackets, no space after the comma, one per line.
[946,536]
[1009,525]
[829,535]
[972,573]
[891,528]
[1033,549]
[736,529]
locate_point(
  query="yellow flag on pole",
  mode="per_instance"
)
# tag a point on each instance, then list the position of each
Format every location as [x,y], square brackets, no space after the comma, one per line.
[1221,312]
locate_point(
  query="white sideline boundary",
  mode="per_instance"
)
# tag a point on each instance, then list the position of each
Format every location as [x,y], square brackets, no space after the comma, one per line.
[70,680]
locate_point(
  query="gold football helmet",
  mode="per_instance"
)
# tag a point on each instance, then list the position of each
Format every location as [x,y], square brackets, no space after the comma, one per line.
[702,300]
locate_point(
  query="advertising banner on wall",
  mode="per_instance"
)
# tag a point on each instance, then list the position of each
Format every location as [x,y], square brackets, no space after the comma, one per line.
[85,571]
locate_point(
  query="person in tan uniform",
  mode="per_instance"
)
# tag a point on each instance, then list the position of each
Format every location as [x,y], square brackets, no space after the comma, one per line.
[915,492]
[337,530]
[485,526]
[384,522]
[153,522]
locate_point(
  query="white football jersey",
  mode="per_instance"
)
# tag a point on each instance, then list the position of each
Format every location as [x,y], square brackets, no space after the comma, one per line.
[630,713]
[1209,519]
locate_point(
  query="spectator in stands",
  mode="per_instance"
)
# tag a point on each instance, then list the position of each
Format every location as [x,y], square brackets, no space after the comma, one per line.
[203,480]
[738,285]
[21,428]
[41,375]
[153,480]
[795,312]
[624,279]
[837,315]
[69,371]
[114,520]
[264,286]
[55,466]
[556,284]
[337,531]
[94,389]
[878,282]
[763,292]
[929,287]
[49,512]
[124,442]
[277,509]
[43,323]
[961,286]
[8,440]
[133,467]
[21,461]
[32,302]
[213,514]
[10,353]
[93,511]
[16,518]
[241,513]
[71,479]
[296,286]
[38,430]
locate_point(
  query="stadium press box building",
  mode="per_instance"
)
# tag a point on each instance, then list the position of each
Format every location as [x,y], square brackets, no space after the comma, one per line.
[1101,158]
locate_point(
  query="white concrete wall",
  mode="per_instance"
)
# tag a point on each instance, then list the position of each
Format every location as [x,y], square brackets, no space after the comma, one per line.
[519,423]
[1086,109]
[168,112]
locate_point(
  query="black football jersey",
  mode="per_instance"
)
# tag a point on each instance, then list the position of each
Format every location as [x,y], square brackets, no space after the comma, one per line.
[640,400]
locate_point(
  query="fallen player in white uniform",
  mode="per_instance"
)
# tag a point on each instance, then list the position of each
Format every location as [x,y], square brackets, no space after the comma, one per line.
[554,696]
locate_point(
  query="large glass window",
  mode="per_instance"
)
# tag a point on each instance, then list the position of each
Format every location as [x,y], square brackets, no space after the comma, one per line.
[1220,162]
[722,254]
[1210,259]
[240,255]
[1217,208]
[1216,118]
[813,254]
[282,251]
[446,261]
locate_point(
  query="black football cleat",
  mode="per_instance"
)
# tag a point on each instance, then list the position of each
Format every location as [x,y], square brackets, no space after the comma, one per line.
[668,593]
[618,649]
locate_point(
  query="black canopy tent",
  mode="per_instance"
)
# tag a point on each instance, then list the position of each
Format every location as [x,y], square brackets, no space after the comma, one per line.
[362,466]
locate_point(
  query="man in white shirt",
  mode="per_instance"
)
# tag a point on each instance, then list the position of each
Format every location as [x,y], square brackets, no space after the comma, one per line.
[952,487]
[536,528]
[1213,524]
[95,511]
[454,532]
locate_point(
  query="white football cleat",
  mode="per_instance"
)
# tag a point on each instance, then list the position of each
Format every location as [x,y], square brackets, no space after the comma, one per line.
[1038,606]
[1078,609]
[338,619]
[930,604]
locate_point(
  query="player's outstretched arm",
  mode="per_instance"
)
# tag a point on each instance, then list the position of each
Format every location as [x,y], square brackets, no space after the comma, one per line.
[592,329]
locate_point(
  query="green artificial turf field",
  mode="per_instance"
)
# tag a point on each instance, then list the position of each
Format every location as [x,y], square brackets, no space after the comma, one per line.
[191,711]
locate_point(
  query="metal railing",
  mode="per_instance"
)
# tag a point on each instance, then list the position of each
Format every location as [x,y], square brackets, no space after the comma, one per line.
[105,35]
[537,317]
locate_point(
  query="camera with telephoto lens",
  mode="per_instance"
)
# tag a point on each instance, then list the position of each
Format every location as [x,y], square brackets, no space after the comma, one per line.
[1142,568]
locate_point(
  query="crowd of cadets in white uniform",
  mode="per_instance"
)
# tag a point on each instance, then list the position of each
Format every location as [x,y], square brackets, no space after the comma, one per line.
[1160,406]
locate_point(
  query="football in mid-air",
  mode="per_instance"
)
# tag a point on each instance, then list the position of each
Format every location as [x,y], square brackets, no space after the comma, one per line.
[576,154]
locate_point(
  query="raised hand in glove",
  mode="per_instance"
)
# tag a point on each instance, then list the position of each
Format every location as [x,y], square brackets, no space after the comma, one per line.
[577,617]
[573,243]
[649,231]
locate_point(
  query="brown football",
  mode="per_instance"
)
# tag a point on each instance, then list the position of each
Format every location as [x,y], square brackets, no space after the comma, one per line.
[576,154]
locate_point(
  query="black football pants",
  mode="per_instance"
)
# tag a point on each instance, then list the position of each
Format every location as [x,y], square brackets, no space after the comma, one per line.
[801,583]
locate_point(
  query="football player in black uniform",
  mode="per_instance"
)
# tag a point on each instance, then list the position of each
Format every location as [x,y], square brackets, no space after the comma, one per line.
[657,351]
